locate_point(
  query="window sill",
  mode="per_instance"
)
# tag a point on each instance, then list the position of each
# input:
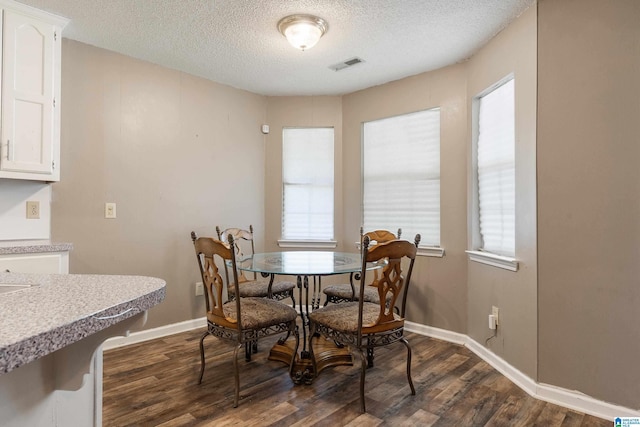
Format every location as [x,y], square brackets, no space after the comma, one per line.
[494,260]
[311,244]
[432,251]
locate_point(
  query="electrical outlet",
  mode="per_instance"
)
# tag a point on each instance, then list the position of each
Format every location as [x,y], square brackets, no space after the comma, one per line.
[495,311]
[110,210]
[199,289]
[33,210]
[492,322]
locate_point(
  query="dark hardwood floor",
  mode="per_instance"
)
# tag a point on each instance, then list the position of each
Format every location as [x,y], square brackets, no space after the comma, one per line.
[155,384]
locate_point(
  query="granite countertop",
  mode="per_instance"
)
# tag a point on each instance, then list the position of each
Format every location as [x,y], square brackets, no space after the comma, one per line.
[32,246]
[64,308]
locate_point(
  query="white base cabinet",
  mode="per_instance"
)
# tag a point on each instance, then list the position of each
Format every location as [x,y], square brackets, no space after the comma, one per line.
[62,389]
[42,263]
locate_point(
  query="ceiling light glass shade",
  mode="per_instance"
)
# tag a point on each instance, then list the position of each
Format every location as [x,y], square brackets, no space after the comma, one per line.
[302,31]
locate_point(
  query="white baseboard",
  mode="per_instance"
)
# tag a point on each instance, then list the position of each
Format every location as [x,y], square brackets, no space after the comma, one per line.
[150,334]
[430,331]
[571,399]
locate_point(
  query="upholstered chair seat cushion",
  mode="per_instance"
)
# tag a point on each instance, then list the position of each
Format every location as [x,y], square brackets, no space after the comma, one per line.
[344,317]
[260,312]
[259,288]
[344,291]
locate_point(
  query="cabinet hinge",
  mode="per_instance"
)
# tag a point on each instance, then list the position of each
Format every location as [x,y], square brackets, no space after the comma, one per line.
[53,165]
[55,36]
[54,102]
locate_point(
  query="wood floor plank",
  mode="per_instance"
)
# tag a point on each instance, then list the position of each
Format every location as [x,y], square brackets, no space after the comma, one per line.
[155,383]
[572,419]
[365,420]
[419,418]
[506,412]
[475,409]
[529,411]
[272,415]
[591,421]
[182,420]
[458,389]
[551,416]
[228,421]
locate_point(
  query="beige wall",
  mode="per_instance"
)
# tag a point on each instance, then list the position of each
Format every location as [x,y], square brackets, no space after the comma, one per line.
[438,290]
[175,152]
[513,51]
[589,197]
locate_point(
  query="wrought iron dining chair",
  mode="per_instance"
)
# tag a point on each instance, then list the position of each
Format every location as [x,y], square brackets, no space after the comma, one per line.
[243,320]
[344,292]
[363,325]
[253,287]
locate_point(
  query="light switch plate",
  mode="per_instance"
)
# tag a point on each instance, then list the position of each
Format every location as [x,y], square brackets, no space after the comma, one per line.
[33,210]
[110,210]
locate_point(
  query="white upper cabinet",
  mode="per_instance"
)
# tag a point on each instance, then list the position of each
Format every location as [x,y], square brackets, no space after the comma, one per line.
[30,95]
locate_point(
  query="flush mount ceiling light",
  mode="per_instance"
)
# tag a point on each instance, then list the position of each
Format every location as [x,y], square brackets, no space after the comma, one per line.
[302,31]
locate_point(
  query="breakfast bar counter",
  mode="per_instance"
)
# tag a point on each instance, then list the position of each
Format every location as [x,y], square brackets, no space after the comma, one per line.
[51,330]
[44,313]
[31,247]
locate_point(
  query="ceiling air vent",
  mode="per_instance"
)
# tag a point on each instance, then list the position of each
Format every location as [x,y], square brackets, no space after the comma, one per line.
[346,64]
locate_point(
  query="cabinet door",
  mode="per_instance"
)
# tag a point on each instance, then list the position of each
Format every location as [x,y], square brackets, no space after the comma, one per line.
[29,124]
[57,262]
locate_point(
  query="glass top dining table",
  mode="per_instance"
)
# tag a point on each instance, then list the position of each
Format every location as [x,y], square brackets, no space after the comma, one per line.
[305,265]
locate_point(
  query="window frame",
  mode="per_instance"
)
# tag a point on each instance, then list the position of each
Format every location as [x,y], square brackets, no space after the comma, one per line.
[478,253]
[423,249]
[307,242]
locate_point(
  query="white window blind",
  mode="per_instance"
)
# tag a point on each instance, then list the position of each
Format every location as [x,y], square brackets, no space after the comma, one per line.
[401,175]
[496,170]
[307,175]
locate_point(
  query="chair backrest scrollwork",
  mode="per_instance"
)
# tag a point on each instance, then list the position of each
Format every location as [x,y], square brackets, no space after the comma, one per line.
[390,281]
[207,250]
[241,239]
[376,237]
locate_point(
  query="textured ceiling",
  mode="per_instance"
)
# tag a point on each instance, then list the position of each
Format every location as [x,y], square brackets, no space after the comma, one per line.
[236,42]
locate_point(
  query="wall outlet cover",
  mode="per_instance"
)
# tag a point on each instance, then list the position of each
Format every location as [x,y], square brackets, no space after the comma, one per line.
[492,322]
[495,311]
[110,210]
[33,210]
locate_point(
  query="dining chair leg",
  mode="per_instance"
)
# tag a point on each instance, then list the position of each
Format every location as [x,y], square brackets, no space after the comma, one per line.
[406,343]
[363,373]
[202,356]
[237,375]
